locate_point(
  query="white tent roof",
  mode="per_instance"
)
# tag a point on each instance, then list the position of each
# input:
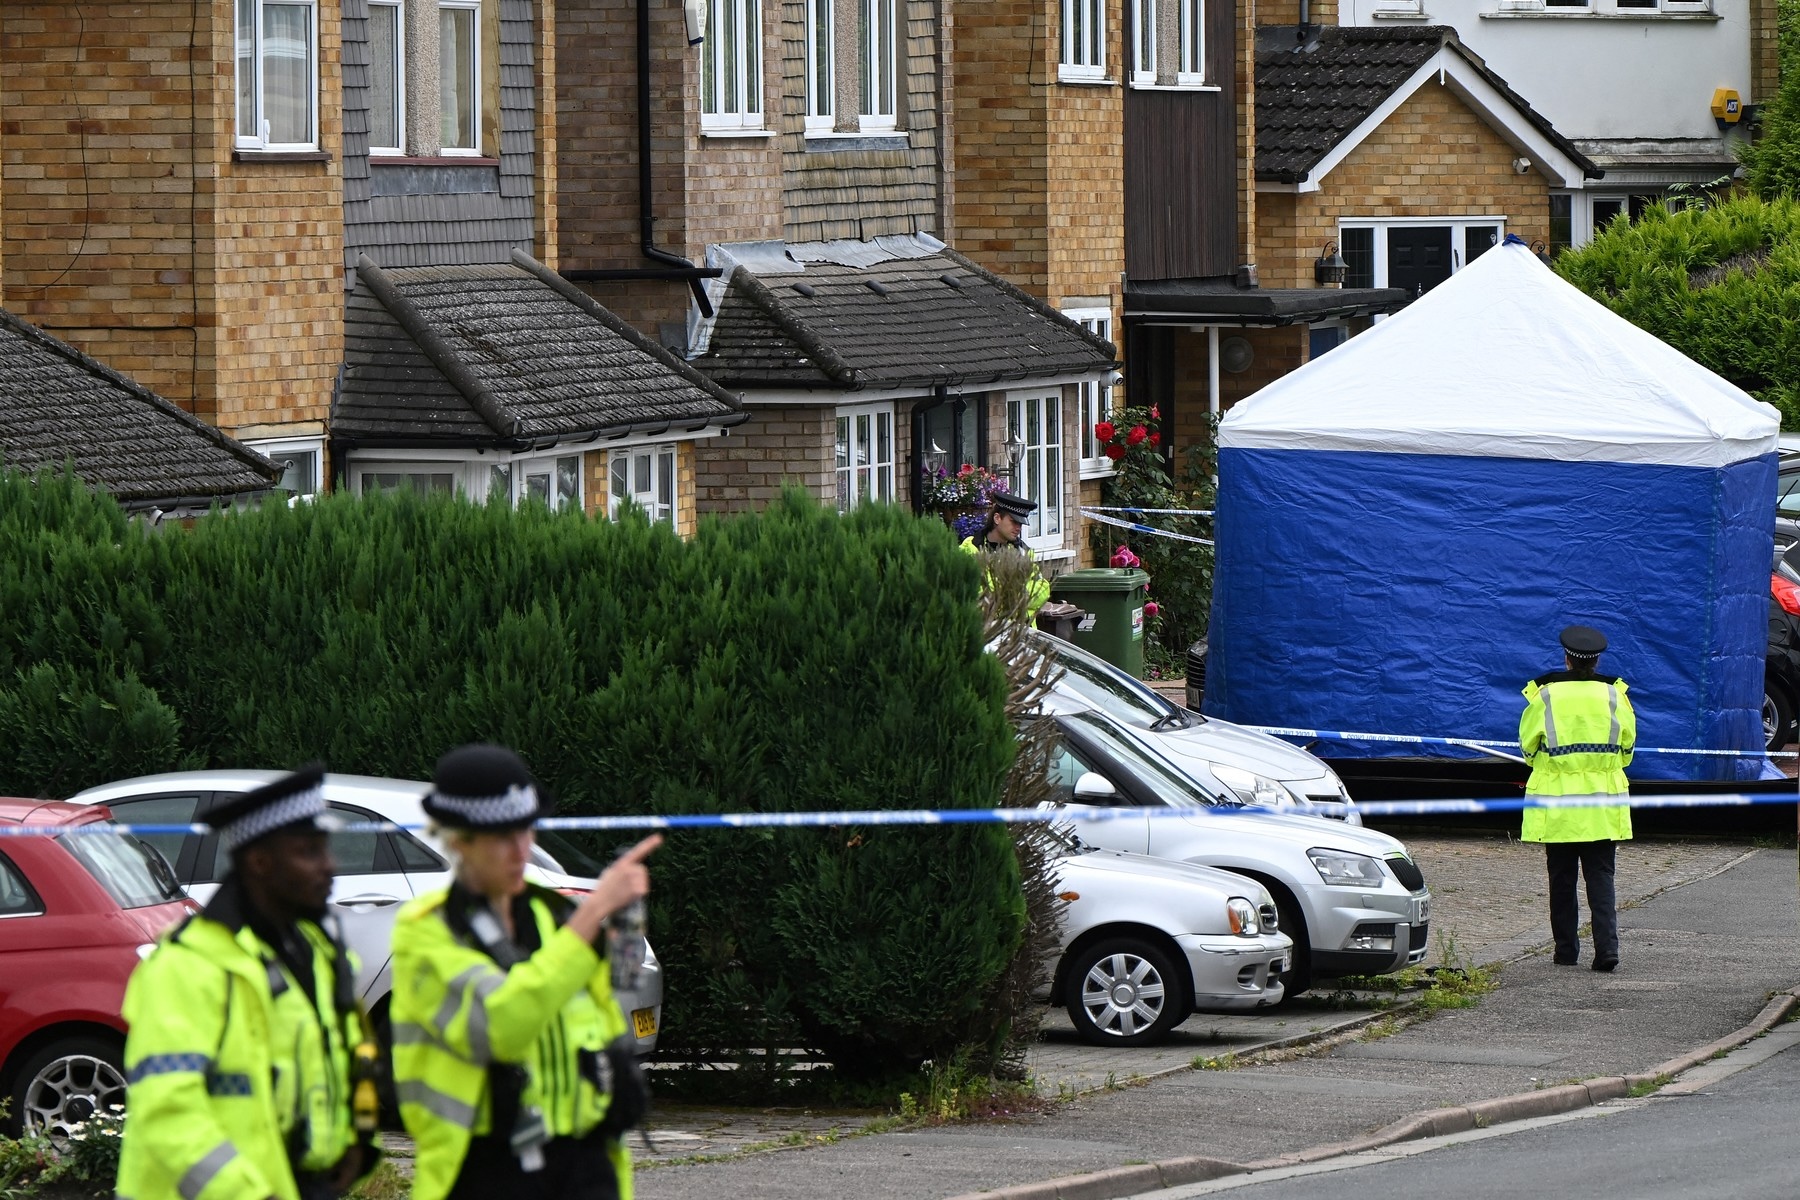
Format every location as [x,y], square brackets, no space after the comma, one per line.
[1506,360]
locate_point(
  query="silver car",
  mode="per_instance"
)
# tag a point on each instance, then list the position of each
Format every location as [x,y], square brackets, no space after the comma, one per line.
[1147,942]
[377,872]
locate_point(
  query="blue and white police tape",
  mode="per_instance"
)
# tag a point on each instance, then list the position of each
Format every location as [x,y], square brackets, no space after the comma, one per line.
[1155,512]
[1095,515]
[1343,735]
[997,816]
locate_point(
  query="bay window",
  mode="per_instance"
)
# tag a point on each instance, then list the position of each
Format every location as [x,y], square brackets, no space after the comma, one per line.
[1036,419]
[865,455]
[644,475]
[277,75]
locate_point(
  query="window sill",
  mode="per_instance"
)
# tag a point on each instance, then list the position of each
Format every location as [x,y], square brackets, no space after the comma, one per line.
[1582,14]
[1401,14]
[434,160]
[281,156]
[1069,75]
[1176,87]
[836,142]
[1051,552]
[736,133]
[1097,469]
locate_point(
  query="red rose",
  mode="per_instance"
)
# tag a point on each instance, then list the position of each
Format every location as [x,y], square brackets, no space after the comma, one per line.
[1138,433]
[1115,452]
[1156,439]
[1105,431]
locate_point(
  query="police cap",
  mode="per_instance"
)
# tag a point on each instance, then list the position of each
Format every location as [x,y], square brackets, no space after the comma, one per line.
[1017,506]
[295,801]
[1583,641]
[486,789]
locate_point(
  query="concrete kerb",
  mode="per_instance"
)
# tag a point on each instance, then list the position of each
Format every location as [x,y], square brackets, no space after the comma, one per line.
[1130,1181]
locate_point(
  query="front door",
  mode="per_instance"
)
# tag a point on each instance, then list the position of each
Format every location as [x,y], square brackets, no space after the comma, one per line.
[1418,257]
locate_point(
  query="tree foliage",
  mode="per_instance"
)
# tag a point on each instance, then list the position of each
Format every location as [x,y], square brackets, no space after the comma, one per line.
[1720,283]
[790,661]
[1772,160]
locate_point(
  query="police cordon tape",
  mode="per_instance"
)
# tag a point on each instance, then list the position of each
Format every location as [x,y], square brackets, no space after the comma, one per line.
[1096,515]
[998,816]
[1342,735]
[1159,512]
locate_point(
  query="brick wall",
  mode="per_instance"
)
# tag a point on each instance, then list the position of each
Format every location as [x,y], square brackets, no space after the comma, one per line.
[1004,64]
[598,498]
[135,235]
[1765,52]
[745,470]
[1433,157]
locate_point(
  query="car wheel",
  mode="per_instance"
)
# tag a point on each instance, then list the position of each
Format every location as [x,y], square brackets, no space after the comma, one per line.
[1298,976]
[1124,992]
[67,1082]
[1777,717]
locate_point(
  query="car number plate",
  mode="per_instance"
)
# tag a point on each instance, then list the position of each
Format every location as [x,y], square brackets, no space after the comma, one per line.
[643,1022]
[1421,911]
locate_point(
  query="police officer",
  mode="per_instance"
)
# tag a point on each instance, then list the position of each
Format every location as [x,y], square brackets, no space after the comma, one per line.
[1577,731]
[1004,529]
[243,1022]
[512,1069]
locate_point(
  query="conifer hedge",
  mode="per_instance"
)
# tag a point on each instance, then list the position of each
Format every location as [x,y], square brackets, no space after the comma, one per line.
[789,661]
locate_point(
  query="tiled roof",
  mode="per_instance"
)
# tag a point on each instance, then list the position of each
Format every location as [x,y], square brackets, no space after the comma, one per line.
[843,318]
[1312,95]
[503,355]
[59,405]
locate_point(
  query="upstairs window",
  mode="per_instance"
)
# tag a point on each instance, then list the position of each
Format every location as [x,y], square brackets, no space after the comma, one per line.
[277,75]
[387,77]
[1083,40]
[879,52]
[1143,41]
[731,66]
[459,76]
[821,65]
[1094,399]
[1192,22]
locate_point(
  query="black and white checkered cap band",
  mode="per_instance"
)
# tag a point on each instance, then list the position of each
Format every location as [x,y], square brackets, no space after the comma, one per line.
[518,803]
[301,806]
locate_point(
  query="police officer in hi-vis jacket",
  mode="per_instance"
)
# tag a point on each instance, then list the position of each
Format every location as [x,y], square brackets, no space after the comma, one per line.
[1577,731]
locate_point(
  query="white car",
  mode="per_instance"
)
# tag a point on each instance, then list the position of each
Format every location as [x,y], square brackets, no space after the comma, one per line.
[1352,899]
[377,872]
[1146,943]
[1252,768]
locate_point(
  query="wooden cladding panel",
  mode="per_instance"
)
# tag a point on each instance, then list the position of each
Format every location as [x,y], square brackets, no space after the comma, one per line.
[1181,169]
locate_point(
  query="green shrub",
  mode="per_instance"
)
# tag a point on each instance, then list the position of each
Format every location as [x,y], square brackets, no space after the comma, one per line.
[789,661]
[1719,283]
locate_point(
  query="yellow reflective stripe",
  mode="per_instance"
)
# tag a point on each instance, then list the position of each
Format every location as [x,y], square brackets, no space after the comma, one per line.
[438,1104]
[194,1181]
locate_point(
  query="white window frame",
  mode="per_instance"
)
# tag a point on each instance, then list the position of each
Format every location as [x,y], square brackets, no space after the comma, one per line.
[873,479]
[1190,70]
[398,8]
[1083,58]
[744,110]
[518,470]
[261,140]
[1459,226]
[1035,462]
[281,449]
[664,466]
[1143,42]
[457,469]
[821,86]
[475,7]
[1093,399]
[882,86]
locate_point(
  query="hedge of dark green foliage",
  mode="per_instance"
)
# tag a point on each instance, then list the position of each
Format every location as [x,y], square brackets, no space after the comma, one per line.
[1772,160]
[790,661]
[1720,283]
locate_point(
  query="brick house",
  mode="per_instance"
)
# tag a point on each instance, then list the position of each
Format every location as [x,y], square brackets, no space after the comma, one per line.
[1398,148]
[799,157]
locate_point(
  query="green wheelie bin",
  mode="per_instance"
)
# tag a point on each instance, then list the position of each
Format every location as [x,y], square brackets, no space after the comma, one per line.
[1113,598]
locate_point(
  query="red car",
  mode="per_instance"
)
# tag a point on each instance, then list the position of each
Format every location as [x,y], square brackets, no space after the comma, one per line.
[77,913]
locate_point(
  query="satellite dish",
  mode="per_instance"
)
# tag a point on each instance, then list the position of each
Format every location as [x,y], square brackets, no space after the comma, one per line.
[1236,354]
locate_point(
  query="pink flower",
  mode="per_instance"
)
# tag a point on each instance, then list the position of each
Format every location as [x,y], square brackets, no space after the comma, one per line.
[1105,431]
[1151,608]
[1138,433]
[1155,413]
[1123,557]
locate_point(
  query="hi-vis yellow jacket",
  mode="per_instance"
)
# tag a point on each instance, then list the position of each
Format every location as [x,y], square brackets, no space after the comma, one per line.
[1037,590]
[1577,732]
[455,1012]
[228,1064]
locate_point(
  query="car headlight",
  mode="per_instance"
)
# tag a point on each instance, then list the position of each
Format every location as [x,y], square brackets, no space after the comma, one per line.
[1242,914]
[1340,868]
[1251,788]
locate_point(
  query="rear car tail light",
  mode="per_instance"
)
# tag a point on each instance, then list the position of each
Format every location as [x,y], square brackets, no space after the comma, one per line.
[1786,593]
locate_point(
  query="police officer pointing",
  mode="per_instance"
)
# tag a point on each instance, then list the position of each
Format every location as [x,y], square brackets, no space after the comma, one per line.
[243,1023]
[510,1058]
[1577,731]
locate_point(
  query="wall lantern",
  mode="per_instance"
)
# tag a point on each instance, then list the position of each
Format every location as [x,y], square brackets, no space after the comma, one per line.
[1330,268]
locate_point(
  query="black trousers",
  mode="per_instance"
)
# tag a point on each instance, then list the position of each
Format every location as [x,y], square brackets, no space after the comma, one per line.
[1595,863]
[573,1170]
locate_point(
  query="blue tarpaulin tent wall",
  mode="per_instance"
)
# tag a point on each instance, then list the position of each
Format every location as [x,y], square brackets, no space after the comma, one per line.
[1406,524]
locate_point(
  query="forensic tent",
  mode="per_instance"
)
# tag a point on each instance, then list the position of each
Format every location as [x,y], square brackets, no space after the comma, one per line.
[1406,524]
